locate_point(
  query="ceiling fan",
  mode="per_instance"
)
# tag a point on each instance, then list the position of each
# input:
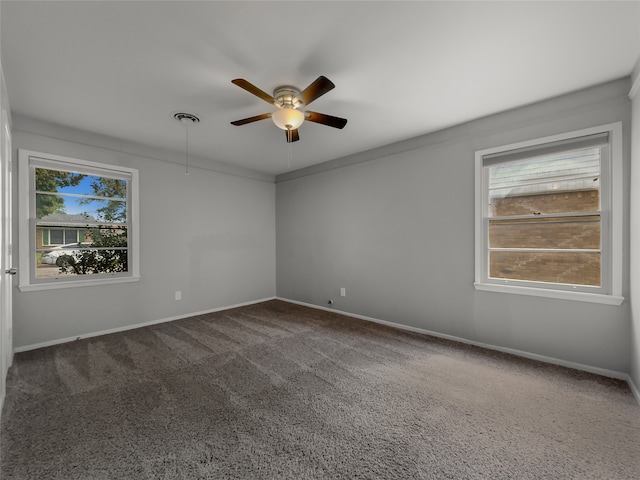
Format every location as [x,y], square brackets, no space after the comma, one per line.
[290,102]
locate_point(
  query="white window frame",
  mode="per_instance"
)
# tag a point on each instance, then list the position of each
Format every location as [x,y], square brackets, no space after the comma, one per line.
[26,210]
[611,259]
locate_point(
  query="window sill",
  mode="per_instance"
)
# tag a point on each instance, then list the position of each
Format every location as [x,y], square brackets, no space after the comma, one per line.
[33,287]
[559,294]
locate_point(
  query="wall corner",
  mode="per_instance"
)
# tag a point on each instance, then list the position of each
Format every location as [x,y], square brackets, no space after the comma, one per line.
[635,80]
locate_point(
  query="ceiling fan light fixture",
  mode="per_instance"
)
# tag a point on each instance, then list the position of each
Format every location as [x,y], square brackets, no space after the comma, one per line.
[289,100]
[288,118]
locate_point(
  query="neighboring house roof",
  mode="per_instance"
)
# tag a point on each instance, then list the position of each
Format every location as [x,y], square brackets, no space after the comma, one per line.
[577,170]
[70,218]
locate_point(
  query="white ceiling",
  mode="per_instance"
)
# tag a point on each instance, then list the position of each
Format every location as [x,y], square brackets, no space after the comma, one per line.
[401,69]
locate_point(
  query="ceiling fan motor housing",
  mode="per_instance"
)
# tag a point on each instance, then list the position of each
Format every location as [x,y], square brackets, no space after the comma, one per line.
[285,97]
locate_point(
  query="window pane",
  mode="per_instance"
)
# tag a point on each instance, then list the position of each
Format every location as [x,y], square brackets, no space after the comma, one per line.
[55,207]
[98,186]
[56,237]
[80,261]
[550,203]
[562,182]
[54,180]
[104,249]
[558,232]
[62,236]
[67,193]
[71,236]
[577,268]
[75,183]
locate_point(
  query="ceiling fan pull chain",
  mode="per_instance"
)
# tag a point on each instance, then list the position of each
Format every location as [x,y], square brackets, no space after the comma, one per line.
[289,150]
[186,119]
[186,149]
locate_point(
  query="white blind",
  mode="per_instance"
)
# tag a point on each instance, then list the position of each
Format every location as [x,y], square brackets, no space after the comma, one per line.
[595,140]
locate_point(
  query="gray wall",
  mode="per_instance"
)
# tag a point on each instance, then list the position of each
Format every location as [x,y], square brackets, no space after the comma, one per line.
[210,235]
[395,227]
[635,233]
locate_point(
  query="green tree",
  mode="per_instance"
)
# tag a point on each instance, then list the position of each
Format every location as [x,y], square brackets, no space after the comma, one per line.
[50,181]
[103,256]
[114,209]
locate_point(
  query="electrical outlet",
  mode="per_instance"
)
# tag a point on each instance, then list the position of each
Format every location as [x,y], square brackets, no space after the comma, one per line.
[178,295]
[343,292]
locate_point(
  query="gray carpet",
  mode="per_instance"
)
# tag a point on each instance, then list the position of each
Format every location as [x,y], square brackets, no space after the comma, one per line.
[280,391]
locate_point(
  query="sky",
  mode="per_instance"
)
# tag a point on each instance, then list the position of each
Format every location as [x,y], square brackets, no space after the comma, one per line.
[73,196]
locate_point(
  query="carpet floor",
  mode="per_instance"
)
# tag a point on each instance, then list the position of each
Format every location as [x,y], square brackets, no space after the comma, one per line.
[280,391]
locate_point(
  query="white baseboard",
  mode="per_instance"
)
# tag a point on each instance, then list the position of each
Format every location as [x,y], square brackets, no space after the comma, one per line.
[35,346]
[520,353]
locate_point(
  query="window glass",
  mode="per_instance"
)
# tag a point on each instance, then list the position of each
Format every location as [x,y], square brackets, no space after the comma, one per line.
[79,220]
[56,236]
[544,218]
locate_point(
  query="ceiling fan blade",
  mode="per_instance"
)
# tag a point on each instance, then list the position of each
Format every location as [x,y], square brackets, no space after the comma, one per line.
[244,121]
[329,120]
[319,87]
[251,88]
[292,135]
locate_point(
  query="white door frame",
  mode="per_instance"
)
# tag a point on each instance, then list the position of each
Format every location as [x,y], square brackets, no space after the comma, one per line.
[6,266]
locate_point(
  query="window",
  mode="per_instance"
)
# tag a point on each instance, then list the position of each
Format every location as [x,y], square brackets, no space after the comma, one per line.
[61,236]
[78,222]
[548,216]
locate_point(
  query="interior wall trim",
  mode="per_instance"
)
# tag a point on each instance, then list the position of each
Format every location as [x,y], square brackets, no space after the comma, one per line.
[59,341]
[519,353]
